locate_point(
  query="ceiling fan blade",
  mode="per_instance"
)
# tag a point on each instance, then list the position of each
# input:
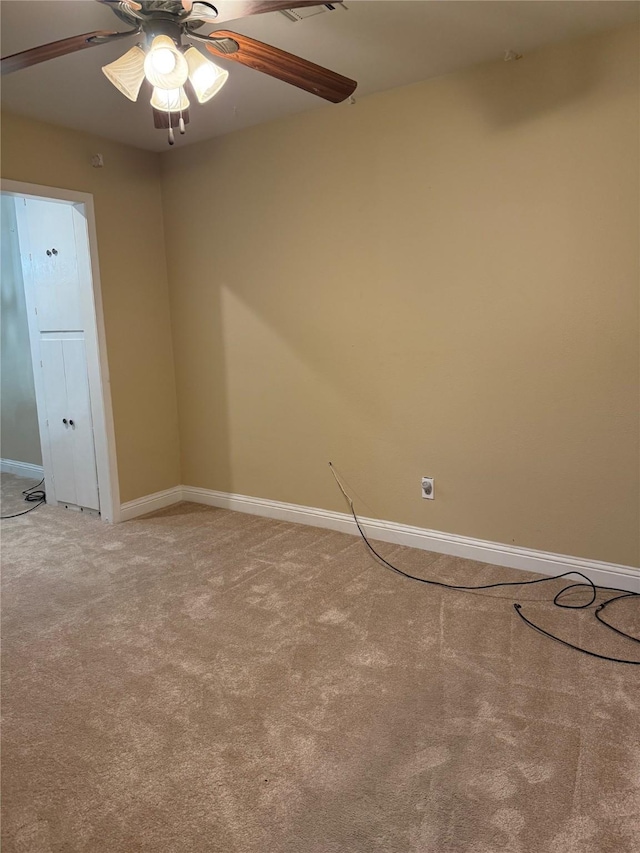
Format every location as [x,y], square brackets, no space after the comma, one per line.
[235,9]
[26,58]
[278,63]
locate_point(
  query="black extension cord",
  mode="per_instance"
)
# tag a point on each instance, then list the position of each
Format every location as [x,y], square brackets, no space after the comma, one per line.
[31,495]
[518,607]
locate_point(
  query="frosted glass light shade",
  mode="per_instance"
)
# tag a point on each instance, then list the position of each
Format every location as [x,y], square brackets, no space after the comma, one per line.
[127,73]
[164,66]
[169,100]
[206,77]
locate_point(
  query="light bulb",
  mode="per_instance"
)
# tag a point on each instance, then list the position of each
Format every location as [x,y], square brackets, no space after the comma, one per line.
[163,60]
[169,100]
[164,66]
[206,77]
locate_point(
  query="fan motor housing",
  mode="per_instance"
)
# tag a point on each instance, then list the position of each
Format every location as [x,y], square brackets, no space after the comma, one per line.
[155,11]
[162,25]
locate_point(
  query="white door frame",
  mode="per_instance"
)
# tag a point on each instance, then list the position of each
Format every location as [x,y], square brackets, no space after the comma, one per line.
[96,348]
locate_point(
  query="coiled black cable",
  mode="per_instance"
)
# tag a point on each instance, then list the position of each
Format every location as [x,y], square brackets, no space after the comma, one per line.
[32,495]
[517,607]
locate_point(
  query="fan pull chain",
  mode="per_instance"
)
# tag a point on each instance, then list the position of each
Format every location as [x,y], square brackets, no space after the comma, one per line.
[171,136]
[181,124]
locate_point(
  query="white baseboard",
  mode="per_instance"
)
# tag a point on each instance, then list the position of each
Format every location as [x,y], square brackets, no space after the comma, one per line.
[150,503]
[21,469]
[511,556]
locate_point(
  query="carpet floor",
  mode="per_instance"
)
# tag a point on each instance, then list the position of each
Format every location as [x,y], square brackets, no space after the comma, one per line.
[202,680]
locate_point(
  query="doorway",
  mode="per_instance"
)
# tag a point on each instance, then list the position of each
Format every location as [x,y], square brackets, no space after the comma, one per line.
[57,247]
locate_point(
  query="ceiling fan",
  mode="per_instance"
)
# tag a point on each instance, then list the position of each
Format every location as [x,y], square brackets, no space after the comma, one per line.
[170,66]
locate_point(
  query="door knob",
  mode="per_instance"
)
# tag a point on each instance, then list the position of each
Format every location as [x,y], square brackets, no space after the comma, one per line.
[64,421]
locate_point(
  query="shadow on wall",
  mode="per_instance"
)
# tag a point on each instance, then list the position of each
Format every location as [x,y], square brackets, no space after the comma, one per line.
[526,90]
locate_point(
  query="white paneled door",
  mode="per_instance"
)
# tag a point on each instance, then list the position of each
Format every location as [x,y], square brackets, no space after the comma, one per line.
[55,257]
[66,389]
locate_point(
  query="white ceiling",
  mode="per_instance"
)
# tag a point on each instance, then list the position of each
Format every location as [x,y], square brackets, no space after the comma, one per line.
[380,43]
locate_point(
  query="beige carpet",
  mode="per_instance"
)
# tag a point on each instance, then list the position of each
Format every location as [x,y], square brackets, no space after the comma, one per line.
[201,680]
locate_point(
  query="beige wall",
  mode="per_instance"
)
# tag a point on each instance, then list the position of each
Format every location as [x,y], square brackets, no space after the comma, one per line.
[19,436]
[440,280]
[134,285]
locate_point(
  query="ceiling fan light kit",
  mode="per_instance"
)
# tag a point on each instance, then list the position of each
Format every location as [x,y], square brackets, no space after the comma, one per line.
[167,64]
[167,69]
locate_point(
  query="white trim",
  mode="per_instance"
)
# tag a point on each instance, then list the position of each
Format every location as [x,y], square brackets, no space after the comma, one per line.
[98,368]
[150,503]
[96,347]
[25,189]
[21,469]
[511,556]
